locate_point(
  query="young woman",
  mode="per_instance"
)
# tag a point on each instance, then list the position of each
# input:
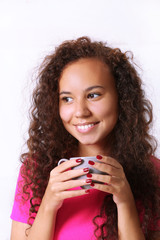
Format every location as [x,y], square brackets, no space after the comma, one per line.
[88,102]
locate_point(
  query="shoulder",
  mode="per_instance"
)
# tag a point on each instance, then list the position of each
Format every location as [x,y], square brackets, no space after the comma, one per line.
[156,163]
[21,204]
[155,160]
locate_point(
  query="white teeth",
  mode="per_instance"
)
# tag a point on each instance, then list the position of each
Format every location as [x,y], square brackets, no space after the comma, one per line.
[84,127]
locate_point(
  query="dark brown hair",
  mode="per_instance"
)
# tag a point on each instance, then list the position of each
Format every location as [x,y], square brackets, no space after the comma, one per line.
[132,144]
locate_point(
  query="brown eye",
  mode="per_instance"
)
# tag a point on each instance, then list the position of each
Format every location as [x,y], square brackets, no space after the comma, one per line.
[67,99]
[93,95]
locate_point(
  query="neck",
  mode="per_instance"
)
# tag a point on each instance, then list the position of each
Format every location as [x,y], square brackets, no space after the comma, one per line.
[92,150]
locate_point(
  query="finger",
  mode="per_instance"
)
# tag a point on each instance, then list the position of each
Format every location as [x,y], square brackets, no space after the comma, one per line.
[62,186]
[108,179]
[70,174]
[66,165]
[74,193]
[103,167]
[109,160]
[113,189]
[104,188]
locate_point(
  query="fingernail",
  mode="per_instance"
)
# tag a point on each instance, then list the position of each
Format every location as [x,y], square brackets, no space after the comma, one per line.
[99,157]
[85,169]
[92,184]
[89,175]
[91,162]
[88,180]
[87,191]
[78,160]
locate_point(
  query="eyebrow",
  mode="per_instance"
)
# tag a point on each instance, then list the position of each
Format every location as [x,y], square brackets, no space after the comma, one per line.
[86,90]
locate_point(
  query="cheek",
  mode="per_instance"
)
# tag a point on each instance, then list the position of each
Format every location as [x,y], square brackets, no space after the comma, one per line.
[65,114]
[106,110]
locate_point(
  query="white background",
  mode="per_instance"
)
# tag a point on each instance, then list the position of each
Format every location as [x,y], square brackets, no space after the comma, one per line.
[31,29]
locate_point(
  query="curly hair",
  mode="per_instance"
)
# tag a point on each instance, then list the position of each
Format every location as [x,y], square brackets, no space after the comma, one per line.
[132,145]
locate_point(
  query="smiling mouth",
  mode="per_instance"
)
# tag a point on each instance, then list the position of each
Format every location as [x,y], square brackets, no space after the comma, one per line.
[86,126]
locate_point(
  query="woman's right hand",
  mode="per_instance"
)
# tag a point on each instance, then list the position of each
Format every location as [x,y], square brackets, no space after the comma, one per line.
[61,179]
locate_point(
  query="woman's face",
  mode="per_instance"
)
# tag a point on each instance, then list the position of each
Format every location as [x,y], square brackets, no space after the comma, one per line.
[88,101]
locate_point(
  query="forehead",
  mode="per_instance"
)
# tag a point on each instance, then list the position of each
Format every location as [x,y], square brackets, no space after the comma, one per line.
[86,71]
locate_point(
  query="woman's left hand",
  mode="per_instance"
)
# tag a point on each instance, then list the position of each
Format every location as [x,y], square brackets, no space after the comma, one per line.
[115,182]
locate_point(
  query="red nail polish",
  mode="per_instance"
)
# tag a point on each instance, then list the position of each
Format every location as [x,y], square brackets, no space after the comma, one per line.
[87,191]
[88,180]
[91,162]
[85,169]
[99,157]
[78,160]
[92,184]
[89,175]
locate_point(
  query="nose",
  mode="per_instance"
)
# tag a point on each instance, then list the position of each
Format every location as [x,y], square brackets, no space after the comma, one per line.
[82,109]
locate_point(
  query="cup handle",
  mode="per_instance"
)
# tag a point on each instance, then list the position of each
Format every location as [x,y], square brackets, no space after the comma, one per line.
[62,160]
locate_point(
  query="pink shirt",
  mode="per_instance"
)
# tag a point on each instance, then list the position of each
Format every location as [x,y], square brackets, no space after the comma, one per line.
[74,218]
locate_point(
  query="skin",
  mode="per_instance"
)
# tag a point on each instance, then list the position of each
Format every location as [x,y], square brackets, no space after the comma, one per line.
[83,103]
[88,96]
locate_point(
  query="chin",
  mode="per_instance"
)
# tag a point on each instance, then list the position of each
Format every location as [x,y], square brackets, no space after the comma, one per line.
[87,141]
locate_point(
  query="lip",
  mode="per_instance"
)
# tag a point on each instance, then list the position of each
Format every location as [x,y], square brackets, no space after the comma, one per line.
[85,127]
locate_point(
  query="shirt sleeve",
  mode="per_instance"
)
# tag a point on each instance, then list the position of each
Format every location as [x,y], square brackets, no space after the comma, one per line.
[21,205]
[156,226]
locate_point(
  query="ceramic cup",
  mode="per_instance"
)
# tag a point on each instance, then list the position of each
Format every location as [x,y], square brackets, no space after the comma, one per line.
[84,164]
